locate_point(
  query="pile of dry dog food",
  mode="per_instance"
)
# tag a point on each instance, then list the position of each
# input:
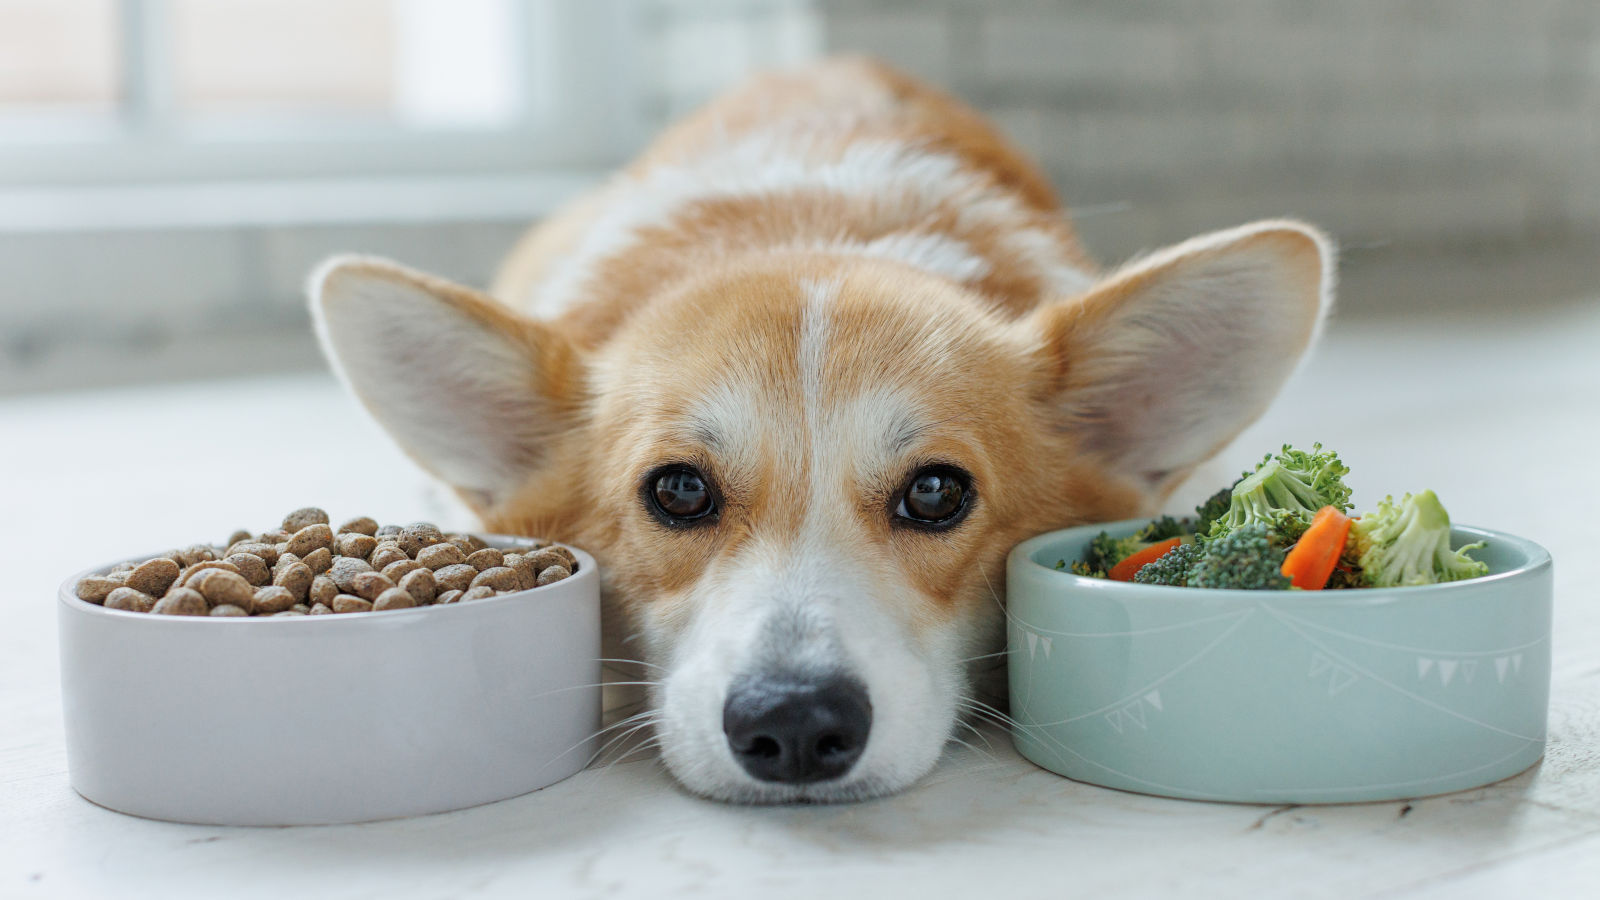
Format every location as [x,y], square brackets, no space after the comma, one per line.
[306,567]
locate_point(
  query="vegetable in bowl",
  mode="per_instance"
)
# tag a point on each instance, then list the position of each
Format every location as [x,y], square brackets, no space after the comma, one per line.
[1284,526]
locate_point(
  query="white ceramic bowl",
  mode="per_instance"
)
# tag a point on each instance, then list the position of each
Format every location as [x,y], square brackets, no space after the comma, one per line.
[313,720]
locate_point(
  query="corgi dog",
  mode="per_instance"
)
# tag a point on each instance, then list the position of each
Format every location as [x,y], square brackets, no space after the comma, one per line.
[799,378]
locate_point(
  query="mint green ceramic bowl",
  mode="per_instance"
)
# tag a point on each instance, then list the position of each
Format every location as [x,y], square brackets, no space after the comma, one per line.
[1280,697]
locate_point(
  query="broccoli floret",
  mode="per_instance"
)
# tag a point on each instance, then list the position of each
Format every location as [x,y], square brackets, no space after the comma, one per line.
[1164,528]
[1245,558]
[1106,551]
[1213,509]
[1409,543]
[1172,568]
[1078,567]
[1285,492]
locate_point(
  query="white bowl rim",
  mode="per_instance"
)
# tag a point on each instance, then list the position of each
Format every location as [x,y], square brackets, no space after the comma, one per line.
[67,595]
[1536,558]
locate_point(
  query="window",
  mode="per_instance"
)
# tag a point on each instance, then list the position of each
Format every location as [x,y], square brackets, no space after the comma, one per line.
[96,91]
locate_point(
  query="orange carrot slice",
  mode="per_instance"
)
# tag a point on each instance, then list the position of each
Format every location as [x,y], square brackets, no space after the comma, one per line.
[1311,561]
[1125,570]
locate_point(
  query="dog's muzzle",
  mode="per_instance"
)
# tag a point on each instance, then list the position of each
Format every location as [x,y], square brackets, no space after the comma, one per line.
[797,730]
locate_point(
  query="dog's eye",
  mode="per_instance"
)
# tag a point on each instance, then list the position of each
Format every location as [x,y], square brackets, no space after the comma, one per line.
[680,493]
[936,495]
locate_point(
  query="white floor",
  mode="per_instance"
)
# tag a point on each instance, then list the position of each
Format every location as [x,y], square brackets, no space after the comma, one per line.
[1499,412]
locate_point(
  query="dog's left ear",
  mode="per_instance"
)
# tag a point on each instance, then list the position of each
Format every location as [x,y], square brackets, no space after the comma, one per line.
[469,389]
[1164,362]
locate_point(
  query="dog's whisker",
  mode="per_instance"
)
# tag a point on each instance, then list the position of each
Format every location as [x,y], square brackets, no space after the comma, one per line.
[631,662]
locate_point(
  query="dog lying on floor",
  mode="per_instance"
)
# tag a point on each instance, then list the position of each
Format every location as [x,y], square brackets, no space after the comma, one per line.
[799,378]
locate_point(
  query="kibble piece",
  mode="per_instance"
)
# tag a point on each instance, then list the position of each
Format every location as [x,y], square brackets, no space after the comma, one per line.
[440,555]
[95,588]
[552,574]
[228,609]
[267,553]
[185,601]
[345,568]
[272,537]
[356,544]
[195,553]
[220,586]
[295,578]
[272,599]
[154,576]
[449,597]
[481,592]
[386,531]
[194,571]
[131,600]
[460,542]
[360,525]
[300,518]
[239,534]
[455,578]
[284,561]
[310,538]
[323,590]
[368,585]
[526,573]
[564,553]
[348,603]
[320,609]
[421,585]
[319,560]
[387,554]
[487,558]
[301,608]
[500,578]
[401,568]
[252,567]
[426,534]
[393,598]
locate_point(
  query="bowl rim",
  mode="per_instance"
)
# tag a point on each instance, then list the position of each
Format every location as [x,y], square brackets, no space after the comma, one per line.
[1536,558]
[588,570]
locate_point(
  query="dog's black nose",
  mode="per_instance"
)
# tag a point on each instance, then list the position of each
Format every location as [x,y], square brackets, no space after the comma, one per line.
[797,732]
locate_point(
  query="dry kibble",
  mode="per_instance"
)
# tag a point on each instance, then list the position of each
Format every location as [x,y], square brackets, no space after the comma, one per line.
[237,536]
[301,608]
[440,555]
[154,576]
[455,578]
[184,602]
[228,609]
[426,534]
[272,599]
[194,571]
[387,554]
[449,597]
[401,568]
[487,558]
[95,588]
[360,525]
[421,585]
[348,603]
[323,590]
[267,553]
[319,560]
[193,554]
[386,531]
[460,542]
[130,599]
[252,567]
[368,585]
[551,575]
[320,609]
[345,568]
[273,537]
[287,612]
[303,517]
[309,538]
[220,586]
[526,573]
[295,578]
[393,598]
[564,553]
[481,592]
[356,544]
[544,559]
[499,578]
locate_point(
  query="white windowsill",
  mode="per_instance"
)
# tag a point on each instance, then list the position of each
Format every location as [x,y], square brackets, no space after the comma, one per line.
[434,199]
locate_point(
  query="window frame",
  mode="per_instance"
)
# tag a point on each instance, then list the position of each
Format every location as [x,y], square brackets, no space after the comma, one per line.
[582,111]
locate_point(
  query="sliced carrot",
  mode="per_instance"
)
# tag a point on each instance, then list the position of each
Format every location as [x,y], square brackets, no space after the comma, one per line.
[1125,570]
[1311,561]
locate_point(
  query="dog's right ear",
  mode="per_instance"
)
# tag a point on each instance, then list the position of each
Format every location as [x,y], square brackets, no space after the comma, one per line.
[470,390]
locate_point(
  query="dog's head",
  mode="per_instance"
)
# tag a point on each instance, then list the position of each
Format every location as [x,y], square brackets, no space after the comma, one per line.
[801,476]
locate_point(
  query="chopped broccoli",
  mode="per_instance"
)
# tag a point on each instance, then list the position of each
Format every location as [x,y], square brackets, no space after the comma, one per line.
[1172,568]
[1409,543]
[1106,551]
[1242,559]
[1213,509]
[1284,492]
[1164,528]
[1078,567]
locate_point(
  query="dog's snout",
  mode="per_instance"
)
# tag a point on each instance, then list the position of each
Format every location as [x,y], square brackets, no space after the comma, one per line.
[797,732]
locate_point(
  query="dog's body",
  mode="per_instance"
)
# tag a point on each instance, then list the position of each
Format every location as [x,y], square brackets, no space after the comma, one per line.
[799,378]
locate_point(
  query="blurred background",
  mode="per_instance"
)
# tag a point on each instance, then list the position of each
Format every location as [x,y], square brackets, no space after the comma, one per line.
[170,169]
